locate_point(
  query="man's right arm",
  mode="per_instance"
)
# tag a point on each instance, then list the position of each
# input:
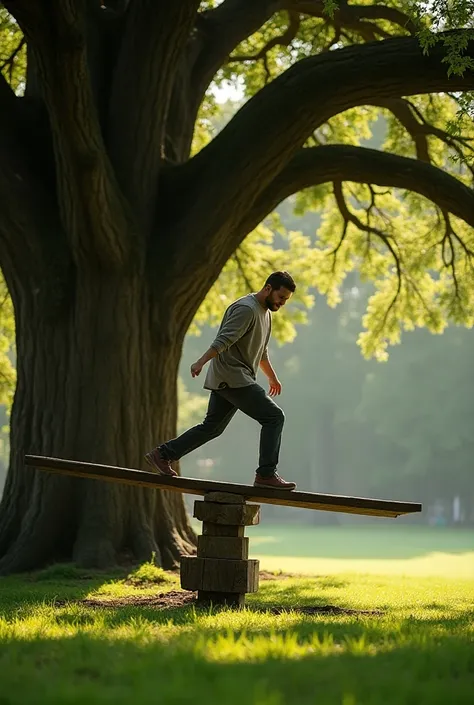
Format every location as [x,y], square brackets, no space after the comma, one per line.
[236,325]
[197,366]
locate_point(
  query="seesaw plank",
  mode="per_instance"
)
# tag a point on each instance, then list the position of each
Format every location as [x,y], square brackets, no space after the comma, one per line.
[189,485]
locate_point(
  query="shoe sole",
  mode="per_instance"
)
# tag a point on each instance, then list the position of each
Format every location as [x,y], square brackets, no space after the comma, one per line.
[158,470]
[273,487]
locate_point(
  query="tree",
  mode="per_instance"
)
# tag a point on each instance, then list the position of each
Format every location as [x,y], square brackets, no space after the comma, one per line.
[112,234]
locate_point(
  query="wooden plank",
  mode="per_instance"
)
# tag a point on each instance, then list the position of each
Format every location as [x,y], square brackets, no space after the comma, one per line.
[224,498]
[188,485]
[223,547]
[227,514]
[219,575]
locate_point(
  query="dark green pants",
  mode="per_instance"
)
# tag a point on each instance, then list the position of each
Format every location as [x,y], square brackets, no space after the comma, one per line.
[223,403]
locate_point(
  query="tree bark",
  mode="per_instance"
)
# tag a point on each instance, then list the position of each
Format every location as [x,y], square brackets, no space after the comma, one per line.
[342,162]
[140,97]
[96,385]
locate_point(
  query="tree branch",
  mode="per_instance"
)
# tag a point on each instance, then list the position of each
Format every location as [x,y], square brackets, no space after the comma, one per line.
[350,217]
[337,163]
[419,128]
[216,34]
[244,159]
[451,244]
[219,31]
[222,29]
[402,110]
[347,14]
[455,142]
[283,40]
[155,39]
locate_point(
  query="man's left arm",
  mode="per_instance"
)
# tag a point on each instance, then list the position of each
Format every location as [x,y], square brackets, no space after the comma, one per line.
[267,369]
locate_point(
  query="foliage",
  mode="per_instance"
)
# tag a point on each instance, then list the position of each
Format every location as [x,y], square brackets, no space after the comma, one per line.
[421,259]
[7,339]
[12,52]
[247,270]
[148,573]
[434,16]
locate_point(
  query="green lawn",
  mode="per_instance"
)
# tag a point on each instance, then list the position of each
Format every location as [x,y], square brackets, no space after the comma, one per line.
[384,548]
[415,646]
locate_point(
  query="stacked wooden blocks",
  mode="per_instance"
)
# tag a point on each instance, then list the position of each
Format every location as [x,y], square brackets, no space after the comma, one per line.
[222,572]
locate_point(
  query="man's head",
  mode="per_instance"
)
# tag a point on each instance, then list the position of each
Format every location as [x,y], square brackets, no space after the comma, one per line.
[277,290]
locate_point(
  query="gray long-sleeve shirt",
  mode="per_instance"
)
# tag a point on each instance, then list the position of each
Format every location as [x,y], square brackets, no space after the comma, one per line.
[241,343]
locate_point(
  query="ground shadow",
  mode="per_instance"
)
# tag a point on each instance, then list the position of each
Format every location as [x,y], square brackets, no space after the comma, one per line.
[74,669]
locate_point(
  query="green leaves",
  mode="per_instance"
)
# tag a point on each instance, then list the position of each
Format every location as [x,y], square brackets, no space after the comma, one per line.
[421,264]
[417,258]
[12,52]
[7,342]
[248,269]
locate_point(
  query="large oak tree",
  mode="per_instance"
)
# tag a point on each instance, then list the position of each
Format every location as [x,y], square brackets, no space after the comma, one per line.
[112,230]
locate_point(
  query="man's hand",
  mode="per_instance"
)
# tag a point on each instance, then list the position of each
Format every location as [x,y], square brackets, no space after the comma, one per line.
[275,387]
[196,368]
[274,382]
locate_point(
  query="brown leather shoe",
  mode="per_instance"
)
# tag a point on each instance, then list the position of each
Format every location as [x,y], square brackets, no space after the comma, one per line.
[162,466]
[274,482]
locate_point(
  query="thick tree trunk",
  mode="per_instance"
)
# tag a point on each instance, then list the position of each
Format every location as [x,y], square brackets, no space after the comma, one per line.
[98,385]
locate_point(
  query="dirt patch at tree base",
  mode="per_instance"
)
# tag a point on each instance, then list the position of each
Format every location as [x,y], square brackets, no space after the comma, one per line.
[266,575]
[325,609]
[163,600]
[175,599]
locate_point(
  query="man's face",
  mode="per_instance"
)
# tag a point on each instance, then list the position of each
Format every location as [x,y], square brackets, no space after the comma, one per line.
[276,298]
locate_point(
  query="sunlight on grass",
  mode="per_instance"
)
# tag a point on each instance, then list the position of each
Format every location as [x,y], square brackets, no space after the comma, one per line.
[377,549]
[386,638]
[149,573]
[144,580]
[434,564]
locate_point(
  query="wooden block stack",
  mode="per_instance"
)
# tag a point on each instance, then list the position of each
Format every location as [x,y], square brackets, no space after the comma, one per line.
[222,572]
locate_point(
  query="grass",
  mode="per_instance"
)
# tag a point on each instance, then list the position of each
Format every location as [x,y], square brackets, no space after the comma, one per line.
[382,549]
[416,645]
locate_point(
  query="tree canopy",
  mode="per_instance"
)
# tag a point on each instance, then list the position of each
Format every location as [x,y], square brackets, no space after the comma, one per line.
[401,214]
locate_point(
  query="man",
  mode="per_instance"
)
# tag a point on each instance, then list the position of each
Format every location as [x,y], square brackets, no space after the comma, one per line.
[239,349]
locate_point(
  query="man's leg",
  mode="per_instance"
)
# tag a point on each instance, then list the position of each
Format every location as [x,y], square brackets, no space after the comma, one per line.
[219,414]
[254,402]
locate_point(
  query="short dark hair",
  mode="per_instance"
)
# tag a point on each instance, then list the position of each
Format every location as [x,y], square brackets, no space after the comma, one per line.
[279,279]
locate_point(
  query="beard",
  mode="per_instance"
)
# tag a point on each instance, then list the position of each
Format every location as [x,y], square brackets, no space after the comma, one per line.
[271,305]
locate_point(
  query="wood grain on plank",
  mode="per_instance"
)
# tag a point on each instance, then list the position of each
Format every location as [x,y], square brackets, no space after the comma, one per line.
[188,485]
